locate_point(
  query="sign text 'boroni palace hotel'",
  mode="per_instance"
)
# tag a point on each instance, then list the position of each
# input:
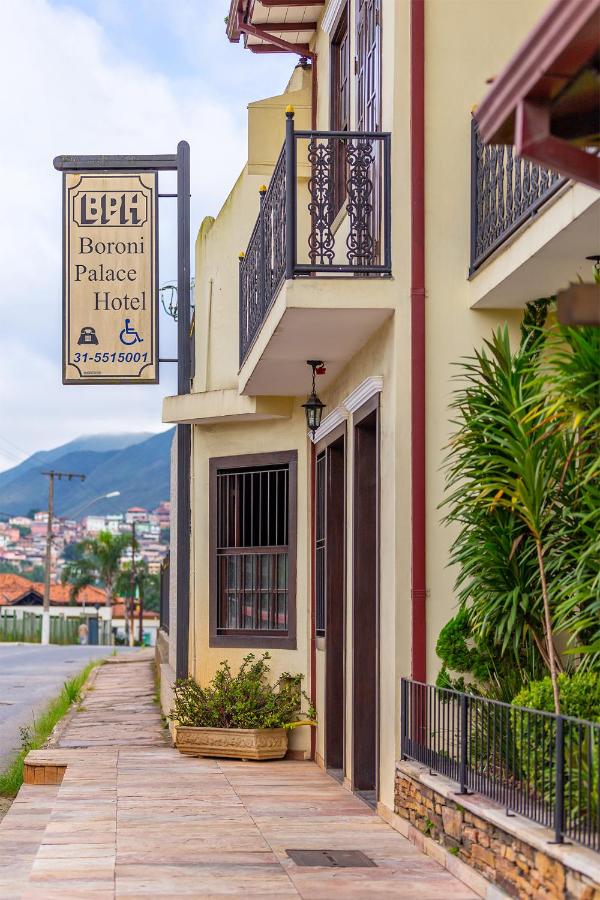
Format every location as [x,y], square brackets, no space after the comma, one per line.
[110,260]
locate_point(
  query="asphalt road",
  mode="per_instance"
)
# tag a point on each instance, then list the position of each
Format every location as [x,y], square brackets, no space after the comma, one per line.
[30,677]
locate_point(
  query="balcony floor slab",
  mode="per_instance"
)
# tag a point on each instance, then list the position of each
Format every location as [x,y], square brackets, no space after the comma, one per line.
[314,318]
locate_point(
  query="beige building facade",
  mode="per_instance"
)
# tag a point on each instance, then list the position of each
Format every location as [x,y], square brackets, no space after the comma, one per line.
[308,545]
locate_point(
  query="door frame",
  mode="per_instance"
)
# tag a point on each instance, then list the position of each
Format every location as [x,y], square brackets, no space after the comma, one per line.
[370,406]
[337,434]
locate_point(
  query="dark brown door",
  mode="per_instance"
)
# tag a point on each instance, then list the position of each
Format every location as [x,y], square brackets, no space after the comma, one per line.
[365,605]
[331,592]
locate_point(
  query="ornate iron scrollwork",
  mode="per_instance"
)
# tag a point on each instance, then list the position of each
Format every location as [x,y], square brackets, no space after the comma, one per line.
[360,156]
[508,191]
[321,240]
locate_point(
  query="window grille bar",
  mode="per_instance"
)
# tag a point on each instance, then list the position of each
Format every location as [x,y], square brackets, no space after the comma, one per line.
[252,550]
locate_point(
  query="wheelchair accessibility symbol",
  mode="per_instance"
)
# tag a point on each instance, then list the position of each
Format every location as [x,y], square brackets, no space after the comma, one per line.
[129,335]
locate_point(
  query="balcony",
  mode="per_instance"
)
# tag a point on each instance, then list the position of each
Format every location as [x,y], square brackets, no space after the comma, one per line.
[325,215]
[531,229]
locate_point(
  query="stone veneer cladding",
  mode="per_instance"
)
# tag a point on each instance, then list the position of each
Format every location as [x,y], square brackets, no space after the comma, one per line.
[512,864]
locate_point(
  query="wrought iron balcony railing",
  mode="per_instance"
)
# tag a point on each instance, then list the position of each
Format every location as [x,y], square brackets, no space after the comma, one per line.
[326,211]
[506,191]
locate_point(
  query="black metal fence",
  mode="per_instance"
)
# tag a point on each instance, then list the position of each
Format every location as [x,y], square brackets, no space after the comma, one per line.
[506,191]
[165,575]
[543,766]
[327,210]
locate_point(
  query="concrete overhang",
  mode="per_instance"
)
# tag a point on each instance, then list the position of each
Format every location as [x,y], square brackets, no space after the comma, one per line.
[314,318]
[220,407]
[544,256]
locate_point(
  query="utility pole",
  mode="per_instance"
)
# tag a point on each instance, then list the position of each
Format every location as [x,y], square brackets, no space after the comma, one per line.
[48,567]
[141,615]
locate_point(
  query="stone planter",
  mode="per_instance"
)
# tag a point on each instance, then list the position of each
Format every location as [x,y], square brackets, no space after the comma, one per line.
[234,743]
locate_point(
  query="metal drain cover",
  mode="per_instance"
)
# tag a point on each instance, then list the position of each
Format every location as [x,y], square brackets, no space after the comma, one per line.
[339,859]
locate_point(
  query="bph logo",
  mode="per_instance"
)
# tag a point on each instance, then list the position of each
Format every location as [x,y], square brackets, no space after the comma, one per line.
[110,208]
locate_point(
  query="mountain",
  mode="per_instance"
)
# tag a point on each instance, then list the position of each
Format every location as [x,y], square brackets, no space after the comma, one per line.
[95,442]
[136,465]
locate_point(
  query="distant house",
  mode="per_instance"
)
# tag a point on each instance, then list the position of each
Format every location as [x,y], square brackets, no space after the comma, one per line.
[94,524]
[136,514]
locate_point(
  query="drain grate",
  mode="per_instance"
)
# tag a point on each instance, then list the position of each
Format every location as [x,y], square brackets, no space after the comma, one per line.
[339,859]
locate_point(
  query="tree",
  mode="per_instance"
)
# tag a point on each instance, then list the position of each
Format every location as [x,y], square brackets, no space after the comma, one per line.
[146,586]
[521,487]
[571,376]
[99,563]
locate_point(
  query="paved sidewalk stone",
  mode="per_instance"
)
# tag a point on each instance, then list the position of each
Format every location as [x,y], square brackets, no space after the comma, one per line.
[134,818]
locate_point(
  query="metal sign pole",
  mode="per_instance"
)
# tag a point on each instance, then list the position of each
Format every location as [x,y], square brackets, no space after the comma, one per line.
[180,163]
[184,432]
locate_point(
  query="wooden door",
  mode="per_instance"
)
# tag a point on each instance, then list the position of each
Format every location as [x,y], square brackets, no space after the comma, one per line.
[365,606]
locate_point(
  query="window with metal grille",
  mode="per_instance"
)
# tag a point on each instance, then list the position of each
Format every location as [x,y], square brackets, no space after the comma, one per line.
[254,508]
[320,544]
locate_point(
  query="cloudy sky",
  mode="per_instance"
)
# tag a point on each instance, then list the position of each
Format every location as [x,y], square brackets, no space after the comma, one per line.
[103,76]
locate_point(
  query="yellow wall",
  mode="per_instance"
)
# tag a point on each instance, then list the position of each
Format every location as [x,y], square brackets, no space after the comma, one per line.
[467,42]
[231,440]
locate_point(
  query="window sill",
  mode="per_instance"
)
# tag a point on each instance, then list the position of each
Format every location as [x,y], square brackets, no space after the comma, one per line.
[254,641]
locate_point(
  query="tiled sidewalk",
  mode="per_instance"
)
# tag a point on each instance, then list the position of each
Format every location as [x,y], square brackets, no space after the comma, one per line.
[149,822]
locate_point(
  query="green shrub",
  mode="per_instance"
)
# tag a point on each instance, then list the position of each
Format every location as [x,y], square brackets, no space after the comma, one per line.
[534,737]
[467,652]
[579,695]
[244,700]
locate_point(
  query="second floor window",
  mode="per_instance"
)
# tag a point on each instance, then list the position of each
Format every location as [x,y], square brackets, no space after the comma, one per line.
[340,105]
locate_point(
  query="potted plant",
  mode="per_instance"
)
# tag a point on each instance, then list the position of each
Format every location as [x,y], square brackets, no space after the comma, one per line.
[240,716]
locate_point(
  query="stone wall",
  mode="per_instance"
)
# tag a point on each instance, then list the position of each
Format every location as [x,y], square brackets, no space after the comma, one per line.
[506,858]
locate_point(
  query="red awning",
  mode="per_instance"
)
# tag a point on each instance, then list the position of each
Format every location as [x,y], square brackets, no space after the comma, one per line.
[547,99]
[274,26]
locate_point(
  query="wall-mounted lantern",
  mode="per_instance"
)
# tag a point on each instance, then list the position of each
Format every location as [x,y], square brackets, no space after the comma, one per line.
[313,406]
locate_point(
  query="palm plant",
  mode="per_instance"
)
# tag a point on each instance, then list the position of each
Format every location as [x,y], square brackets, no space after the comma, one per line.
[523,485]
[504,470]
[571,374]
[99,562]
[139,584]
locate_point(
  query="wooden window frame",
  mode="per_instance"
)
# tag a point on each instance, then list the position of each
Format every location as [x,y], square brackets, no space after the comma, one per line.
[340,31]
[255,639]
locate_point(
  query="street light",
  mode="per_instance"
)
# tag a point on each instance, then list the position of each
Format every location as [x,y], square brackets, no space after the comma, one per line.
[96,499]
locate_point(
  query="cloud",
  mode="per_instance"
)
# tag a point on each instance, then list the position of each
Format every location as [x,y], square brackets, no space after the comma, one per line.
[69,87]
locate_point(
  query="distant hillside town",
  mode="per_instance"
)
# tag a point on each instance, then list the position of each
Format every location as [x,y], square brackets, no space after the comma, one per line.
[23,538]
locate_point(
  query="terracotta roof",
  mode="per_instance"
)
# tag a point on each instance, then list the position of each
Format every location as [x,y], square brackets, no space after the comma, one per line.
[118,612]
[9,583]
[61,593]
[13,587]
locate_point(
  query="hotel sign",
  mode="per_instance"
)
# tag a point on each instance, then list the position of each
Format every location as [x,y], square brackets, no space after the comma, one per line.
[110,310]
